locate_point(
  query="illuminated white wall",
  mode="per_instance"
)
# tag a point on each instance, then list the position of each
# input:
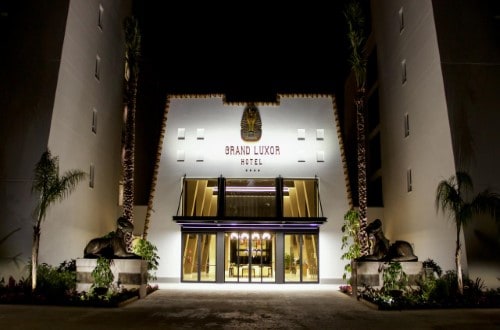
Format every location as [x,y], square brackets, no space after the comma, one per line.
[89,212]
[427,151]
[198,129]
[51,106]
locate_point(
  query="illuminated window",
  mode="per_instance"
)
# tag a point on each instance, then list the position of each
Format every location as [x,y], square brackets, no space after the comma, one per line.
[120,193]
[408,181]
[94,121]
[407,125]
[97,72]
[401,20]
[250,197]
[254,198]
[91,176]
[300,258]
[403,71]
[100,17]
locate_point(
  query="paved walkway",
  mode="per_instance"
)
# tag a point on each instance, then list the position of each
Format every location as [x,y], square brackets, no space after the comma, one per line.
[244,306]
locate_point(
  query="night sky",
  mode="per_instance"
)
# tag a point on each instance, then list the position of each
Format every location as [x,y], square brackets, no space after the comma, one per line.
[245,49]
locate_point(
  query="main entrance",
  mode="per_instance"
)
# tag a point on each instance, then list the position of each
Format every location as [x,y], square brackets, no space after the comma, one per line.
[250,256]
[250,230]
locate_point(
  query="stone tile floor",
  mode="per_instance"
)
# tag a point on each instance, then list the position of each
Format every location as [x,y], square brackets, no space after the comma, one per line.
[244,306]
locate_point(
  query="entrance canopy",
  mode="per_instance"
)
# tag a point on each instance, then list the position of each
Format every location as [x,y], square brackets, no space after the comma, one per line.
[277,203]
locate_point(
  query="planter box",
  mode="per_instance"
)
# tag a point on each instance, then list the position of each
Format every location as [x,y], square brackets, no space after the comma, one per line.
[370,273]
[128,274]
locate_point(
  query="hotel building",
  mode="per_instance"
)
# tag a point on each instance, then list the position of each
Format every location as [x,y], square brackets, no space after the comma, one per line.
[256,192]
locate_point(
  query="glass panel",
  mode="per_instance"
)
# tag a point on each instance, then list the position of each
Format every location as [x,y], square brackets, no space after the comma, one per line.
[190,257]
[292,258]
[250,198]
[249,256]
[262,261]
[198,261]
[301,258]
[310,258]
[200,197]
[300,198]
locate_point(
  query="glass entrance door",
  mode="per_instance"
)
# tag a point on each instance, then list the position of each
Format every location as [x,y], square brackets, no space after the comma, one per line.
[250,256]
[198,257]
[301,258]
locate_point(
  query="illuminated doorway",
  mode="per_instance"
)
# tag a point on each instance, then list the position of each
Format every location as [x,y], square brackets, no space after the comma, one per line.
[250,230]
[250,256]
[301,258]
[199,257]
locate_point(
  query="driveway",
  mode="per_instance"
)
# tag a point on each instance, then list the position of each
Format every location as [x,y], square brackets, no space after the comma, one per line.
[244,306]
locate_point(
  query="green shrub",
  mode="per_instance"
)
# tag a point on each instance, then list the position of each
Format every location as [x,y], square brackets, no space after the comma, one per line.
[148,252]
[395,279]
[102,275]
[350,240]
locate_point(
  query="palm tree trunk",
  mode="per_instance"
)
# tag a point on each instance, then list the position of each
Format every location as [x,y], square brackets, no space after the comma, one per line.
[362,185]
[128,161]
[132,53]
[458,263]
[34,254]
[129,157]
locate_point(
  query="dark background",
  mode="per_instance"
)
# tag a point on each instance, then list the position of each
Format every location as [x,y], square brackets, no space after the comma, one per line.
[245,49]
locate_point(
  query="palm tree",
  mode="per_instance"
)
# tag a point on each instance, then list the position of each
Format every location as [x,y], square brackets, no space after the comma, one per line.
[450,197]
[355,21]
[50,188]
[132,55]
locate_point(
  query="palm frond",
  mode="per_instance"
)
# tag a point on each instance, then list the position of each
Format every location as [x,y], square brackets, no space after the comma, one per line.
[463,182]
[356,35]
[447,197]
[132,42]
[48,184]
[487,202]
[3,239]
[68,182]
[46,172]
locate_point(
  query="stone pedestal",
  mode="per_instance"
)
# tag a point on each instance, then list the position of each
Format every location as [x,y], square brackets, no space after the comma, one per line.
[370,273]
[128,273]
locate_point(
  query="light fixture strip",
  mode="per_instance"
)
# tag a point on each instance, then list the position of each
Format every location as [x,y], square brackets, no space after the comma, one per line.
[249,189]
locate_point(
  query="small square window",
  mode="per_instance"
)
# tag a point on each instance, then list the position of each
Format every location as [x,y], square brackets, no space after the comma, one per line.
[401,20]
[200,133]
[409,183]
[301,156]
[403,71]
[181,155]
[320,134]
[120,193]
[181,133]
[320,156]
[301,134]
[407,125]
[97,72]
[94,121]
[91,176]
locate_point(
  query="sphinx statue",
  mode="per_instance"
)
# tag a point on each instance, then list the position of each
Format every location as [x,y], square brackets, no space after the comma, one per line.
[112,246]
[382,249]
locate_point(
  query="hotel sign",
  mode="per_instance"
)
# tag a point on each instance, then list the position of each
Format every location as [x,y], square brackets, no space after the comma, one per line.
[251,131]
[252,154]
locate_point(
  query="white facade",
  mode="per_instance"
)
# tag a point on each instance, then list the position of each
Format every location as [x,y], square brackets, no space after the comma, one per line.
[427,150]
[448,95]
[55,110]
[199,134]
